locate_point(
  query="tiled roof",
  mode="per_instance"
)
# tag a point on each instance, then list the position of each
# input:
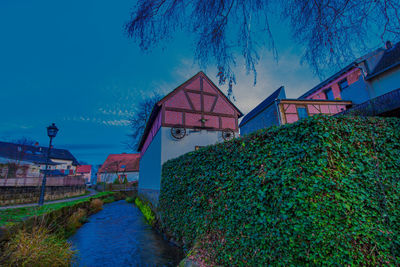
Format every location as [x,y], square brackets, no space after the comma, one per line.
[84,168]
[149,124]
[36,154]
[121,163]
[389,60]
[268,101]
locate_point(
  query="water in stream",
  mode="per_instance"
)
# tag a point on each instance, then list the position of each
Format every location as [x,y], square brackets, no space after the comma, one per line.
[119,236]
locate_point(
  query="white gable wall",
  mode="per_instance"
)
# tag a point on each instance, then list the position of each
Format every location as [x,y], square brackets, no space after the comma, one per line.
[172,148]
[164,147]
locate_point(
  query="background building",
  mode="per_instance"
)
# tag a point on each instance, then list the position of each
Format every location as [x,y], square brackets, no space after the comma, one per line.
[371,82]
[30,161]
[119,166]
[369,86]
[85,171]
[276,110]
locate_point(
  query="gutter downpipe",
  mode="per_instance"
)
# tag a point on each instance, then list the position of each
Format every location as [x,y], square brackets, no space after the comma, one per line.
[277,101]
[367,86]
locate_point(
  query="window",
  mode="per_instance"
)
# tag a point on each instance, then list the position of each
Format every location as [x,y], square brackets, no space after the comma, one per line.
[343,84]
[329,94]
[302,112]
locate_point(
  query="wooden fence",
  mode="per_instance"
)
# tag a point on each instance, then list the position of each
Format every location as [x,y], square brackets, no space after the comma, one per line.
[50,181]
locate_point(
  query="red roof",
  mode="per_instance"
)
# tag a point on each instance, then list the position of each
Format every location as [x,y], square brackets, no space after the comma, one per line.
[84,168]
[121,163]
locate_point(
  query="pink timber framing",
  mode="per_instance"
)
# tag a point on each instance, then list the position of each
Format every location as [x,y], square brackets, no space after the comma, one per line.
[196,104]
[352,76]
[288,108]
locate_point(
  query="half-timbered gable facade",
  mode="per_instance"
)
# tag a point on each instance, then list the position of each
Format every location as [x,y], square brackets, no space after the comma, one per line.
[193,115]
[277,110]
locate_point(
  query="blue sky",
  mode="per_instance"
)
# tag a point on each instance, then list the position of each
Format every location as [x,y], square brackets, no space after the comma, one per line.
[69,62]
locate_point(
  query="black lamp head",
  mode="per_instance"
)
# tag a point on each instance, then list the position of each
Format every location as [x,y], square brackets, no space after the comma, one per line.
[52,130]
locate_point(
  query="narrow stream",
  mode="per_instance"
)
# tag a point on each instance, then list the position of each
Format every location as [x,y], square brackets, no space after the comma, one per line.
[119,236]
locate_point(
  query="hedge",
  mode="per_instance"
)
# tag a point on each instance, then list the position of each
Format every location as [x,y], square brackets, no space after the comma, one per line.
[324,190]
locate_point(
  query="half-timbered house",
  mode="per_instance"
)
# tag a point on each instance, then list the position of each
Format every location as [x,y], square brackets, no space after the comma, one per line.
[193,115]
[277,110]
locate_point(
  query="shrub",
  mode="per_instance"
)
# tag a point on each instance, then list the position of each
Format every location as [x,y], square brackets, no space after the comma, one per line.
[129,199]
[96,205]
[322,191]
[38,248]
[109,199]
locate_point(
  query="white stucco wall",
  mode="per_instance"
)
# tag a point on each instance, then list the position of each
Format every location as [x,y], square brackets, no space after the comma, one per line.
[172,148]
[385,83]
[164,147]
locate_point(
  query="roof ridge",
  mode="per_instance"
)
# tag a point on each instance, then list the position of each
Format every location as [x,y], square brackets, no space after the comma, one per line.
[261,106]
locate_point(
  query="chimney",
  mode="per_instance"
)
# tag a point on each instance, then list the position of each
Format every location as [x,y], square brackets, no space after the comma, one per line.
[388,44]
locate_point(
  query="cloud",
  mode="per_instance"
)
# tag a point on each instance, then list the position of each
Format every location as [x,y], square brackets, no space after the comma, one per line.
[99,120]
[116,122]
[288,71]
[115,112]
[86,147]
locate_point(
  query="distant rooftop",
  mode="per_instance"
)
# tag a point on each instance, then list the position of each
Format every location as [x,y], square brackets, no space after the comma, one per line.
[278,94]
[121,163]
[35,154]
[389,60]
[83,169]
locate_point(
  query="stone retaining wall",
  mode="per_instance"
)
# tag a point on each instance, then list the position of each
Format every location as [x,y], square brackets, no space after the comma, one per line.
[10,195]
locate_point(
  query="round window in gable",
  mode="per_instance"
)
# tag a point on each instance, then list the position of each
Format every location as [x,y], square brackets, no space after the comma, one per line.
[228,134]
[178,132]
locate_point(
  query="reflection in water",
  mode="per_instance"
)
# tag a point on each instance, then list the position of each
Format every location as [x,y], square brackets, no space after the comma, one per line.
[119,236]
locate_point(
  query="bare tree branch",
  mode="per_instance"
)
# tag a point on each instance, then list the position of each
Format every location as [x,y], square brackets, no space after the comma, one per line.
[139,119]
[330,31]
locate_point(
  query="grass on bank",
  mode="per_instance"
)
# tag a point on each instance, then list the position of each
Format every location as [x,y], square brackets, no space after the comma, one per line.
[10,216]
[37,247]
[146,210]
[130,199]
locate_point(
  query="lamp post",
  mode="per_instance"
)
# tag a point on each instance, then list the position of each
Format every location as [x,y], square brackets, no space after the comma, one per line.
[51,132]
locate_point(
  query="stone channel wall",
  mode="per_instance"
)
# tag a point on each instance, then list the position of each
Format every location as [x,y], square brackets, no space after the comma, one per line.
[11,195]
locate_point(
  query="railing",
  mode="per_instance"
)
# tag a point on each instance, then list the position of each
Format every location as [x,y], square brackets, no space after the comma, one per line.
[50,181]
[376,106]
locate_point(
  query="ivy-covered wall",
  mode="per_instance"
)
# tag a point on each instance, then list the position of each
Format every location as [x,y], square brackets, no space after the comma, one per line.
[324,190]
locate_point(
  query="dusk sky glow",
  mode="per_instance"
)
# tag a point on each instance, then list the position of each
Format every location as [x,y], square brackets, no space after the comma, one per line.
[70,62]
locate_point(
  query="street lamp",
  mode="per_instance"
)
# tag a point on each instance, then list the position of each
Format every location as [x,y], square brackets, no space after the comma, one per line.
[51,132]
